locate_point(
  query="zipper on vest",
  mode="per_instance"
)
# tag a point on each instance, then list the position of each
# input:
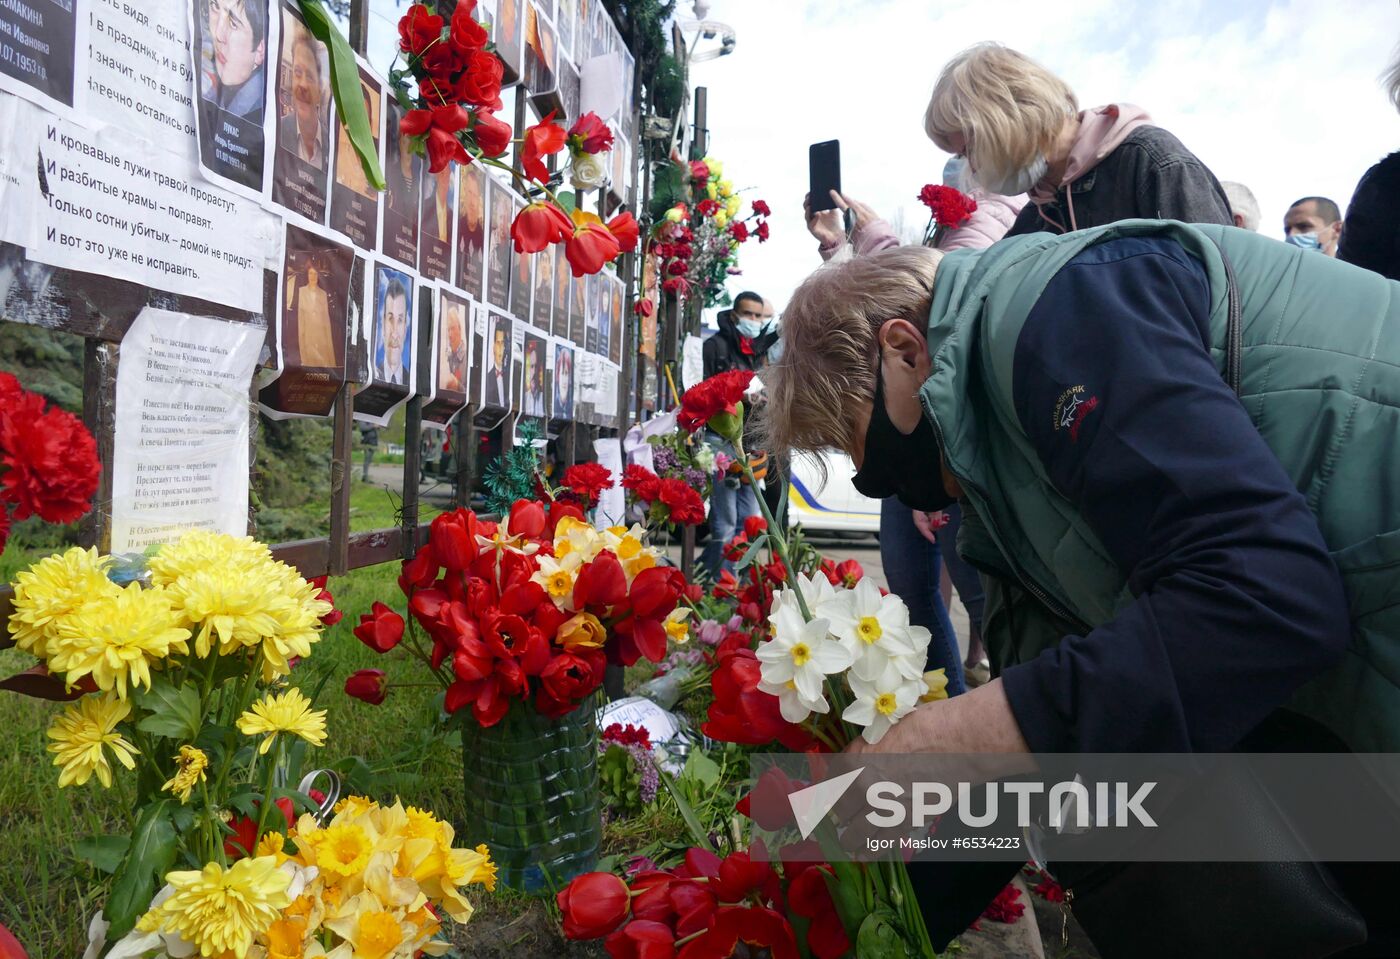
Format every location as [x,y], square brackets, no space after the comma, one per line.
[1027,583]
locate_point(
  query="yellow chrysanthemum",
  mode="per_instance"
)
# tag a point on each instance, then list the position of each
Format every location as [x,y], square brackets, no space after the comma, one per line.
[201,550]
[53,589]
[189,772]
[115,639]
[81,735]
[343,851]
[232,604]
[289,712]
[221,910]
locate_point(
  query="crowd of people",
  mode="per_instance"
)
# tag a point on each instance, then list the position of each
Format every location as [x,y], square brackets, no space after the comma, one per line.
[1156,450]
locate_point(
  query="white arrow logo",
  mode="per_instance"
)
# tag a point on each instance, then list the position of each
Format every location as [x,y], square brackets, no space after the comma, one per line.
[811,805]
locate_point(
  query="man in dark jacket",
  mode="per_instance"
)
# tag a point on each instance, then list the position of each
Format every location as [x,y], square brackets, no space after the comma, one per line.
[742,343]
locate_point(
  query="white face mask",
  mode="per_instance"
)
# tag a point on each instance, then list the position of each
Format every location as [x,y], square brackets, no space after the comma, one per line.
[1017,181]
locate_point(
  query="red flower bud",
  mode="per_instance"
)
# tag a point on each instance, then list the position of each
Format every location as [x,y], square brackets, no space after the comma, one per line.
[593,905]
[381,629]
[370,685]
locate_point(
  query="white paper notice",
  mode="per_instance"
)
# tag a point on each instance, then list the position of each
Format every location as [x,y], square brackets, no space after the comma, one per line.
[120,206]
[139,74]
[612,504]
[180,457]
[692,361]
[19,142]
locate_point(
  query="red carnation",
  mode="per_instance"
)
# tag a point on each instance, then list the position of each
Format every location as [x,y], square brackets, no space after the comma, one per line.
[676,284]
[1005,908]
[419,29]
[588,480]
[762,232]
[739,230]
[707,207]
[641,481]
[590,134]
[713,397]
[50,458]
[687,509]
[539,225]
[951,208]
[761,208]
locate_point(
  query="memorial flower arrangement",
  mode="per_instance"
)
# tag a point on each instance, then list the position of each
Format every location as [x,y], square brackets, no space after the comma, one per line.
[451,90]
[949,209]
[532,608]
[699,229]
[48,460]
[373,881]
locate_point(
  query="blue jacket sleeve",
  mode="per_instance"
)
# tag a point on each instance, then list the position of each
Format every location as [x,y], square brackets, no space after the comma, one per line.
[1236,600]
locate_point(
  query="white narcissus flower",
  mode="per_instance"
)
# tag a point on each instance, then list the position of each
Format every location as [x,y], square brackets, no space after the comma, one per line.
[589,171]
[875,630]
[881,703]
[800,653]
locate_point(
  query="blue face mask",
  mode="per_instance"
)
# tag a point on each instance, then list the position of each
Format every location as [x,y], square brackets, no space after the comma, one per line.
[1305,241]
[750,328]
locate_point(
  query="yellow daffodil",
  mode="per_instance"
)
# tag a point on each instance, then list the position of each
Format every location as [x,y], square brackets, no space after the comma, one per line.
[286,939]
[582,631]
[576,541]
[221,910]
[935,685]
[53,589]
[289,712]
[81,735]
[422,824]
[343,851]
[557,579]
[117,638]
[352,806]
[189,772]
[677,629]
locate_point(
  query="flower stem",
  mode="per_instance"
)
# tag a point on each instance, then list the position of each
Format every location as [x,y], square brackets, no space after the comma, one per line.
[775,536]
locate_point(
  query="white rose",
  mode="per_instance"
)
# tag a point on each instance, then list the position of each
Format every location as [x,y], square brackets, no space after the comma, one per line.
[589,172]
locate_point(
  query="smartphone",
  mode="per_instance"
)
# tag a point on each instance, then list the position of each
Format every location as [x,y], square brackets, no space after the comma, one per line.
[824,161]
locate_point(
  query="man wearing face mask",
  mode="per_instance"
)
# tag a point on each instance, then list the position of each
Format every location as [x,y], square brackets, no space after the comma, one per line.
[742,343]
[1177,476]
[1313,223]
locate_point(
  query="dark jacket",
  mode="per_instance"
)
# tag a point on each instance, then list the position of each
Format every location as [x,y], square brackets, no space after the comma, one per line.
[723,351]
[1150,176]
[1371,237]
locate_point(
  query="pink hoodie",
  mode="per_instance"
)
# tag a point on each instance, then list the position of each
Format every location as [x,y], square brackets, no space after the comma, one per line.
[1101,131]
[990,221]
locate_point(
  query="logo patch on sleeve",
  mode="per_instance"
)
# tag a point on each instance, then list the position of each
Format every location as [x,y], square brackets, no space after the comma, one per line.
[1073,406]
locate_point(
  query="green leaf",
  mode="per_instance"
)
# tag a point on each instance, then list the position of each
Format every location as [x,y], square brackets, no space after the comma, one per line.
[174,711]
[150,856]
[345,81]
[103,853]
[698,833]
[879,938]
[701,769]
[751,555]
[568,202]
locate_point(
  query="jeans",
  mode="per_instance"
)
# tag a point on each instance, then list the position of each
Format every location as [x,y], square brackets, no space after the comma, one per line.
[966,580]
[729,507]
[912,571]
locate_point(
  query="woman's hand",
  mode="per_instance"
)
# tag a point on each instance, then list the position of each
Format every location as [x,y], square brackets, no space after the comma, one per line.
[929,523]
[827,226]
[864,215]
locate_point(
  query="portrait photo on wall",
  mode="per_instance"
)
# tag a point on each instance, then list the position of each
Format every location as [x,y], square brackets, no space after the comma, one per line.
[478,318]
[471,228]
[315,297]
[615,320]
[544,288]
[499,257]
[46,25]
[534,400]
[522,273]
[301,163]
[435,224]
[496,384]
[565,16]
[563,382]
[453,359]
[578,308]
[592,310]
[402,175]
[357,367]
[540,53]
[605,305]
[559,315]
[509,31]
[230,44]
[354,203]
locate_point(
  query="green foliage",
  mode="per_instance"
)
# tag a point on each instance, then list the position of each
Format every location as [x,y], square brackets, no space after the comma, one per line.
[46,362]
[644,29]
[515,473]
[292,479]
[667,87]
[620,780]
[149,858]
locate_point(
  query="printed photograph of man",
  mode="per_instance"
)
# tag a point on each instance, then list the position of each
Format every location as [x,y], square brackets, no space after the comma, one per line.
[354,203]
[591,311]
[471,227]
[498,247]
[544,288]
[615,322]
[539,52]
[508,34]
[578,308]
[563,382]
[452,346]
[533,401]
[402,169]
[435,240]
[357,359]
[393,327]
[496,389]
[522,276]
[303,130]
[231,37]
[605,303]
[559,316]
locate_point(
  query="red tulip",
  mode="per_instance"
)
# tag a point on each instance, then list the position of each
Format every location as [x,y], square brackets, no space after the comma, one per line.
[370,685]
[421,571]
[493,135]
[810,897]
[642,939]
[593,905]
[539,225]
[245,828]
[694,905]
[590,247]
[541,140]
[651,896]
[738,876]
[527,519]
[644,306]
[756,927]
[624,227]
[445,148]
[590,134]
[767,804]
[601,583]
[331,618]
[381,629]
[452,537]
[9,946]
[567,679]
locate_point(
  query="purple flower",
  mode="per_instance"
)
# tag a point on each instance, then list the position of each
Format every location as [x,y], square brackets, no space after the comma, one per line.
[693,477]
[711,632]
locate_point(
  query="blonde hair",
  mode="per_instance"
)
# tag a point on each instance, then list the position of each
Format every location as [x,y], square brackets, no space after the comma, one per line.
[830,337]
[1006,107]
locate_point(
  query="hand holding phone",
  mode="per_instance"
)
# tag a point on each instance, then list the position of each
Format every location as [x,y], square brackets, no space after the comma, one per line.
[824,162]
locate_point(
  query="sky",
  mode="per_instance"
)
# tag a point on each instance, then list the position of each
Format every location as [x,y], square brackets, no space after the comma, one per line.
[1283,96]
